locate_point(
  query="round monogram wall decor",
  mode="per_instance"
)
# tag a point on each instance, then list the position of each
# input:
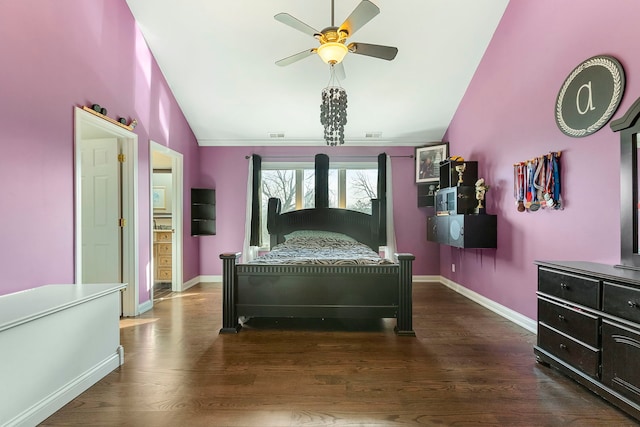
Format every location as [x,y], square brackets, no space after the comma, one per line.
[590,96]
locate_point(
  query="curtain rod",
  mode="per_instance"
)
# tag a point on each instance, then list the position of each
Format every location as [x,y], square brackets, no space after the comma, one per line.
[334,158]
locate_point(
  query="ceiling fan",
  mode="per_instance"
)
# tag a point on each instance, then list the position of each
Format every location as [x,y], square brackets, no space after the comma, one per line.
[333,47]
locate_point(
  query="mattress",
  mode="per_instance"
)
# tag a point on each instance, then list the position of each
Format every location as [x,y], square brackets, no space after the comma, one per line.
[311,247]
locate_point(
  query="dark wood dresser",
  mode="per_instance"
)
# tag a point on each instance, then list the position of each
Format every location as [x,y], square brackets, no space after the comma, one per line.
[589,327]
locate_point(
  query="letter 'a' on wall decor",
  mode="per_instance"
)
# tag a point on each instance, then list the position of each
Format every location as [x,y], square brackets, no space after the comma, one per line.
[590,96]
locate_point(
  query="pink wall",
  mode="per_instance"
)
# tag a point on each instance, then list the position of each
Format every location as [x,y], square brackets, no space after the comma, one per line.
[51,65]
[57,55]
[225,168]
[507,115]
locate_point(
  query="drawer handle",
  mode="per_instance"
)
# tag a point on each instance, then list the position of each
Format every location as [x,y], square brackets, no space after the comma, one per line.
[632,304]
[561,318]
[564,286]
[563,346]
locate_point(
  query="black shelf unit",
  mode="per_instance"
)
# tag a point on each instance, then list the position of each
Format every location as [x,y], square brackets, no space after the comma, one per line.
[455,223]
[449,175]
[426,194]
[203,212]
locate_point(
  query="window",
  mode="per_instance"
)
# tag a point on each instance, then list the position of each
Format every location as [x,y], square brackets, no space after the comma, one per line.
[351,186]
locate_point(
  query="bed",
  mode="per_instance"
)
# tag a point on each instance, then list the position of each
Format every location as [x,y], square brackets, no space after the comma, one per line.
[337,289]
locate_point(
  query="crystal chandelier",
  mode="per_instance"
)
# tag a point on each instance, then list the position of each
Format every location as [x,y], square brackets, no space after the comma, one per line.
[333,111]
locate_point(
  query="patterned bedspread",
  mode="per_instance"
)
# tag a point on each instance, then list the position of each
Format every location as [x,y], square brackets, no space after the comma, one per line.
[321,248]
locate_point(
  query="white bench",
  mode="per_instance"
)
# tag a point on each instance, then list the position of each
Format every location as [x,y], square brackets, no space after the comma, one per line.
[56,341]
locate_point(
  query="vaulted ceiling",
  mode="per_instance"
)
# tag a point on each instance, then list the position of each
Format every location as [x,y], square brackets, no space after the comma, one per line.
[219,60]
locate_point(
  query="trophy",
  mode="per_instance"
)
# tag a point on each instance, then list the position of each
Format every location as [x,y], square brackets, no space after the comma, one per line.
[460,169]
[481,189]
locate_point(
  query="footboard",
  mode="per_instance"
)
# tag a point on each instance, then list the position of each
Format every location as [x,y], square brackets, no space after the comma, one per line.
[322,291]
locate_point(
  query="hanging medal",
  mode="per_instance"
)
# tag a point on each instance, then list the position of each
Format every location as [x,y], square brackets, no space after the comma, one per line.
[556,180]
[529,185]
[535,203]
[517,185]
[548,192]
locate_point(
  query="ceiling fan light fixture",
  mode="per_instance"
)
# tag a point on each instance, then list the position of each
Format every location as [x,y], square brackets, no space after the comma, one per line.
[332,52]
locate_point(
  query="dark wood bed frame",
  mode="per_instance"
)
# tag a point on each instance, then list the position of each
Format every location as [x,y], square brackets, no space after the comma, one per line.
[319,291]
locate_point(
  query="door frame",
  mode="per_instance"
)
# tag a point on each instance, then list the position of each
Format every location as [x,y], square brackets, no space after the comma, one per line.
[88,126]
[177,198]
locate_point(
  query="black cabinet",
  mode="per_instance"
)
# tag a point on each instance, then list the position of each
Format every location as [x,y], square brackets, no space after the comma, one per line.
[455,223]
[426,194]
[449,176]
[456,200]
[589,327]
[463,231]
[203,212]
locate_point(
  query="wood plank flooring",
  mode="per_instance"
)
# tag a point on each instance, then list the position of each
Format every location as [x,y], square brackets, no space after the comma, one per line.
[466,367]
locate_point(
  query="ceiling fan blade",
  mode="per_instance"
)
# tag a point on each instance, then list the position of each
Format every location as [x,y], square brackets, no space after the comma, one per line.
[362,14]
[296,57]
[338,69]
[375,50]
[289,20]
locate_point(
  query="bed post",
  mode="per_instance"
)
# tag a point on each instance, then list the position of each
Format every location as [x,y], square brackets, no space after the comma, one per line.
[230,323]
[404,325]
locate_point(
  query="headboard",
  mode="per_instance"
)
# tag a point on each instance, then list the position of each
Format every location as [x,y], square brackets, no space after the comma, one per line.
[361,226]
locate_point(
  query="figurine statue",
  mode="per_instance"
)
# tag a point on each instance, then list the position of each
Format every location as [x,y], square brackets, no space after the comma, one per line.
[481,189]
[460,169]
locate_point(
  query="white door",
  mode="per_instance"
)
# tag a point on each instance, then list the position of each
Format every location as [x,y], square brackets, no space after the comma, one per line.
[101,232]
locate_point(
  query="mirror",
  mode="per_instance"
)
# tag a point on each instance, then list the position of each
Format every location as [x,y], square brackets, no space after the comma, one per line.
[629,127]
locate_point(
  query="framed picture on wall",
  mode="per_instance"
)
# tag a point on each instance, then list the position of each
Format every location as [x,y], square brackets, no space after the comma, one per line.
[159,198]
[428,160]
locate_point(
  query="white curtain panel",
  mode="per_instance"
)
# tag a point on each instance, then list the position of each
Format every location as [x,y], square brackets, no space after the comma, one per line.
[248,252]
[390,249]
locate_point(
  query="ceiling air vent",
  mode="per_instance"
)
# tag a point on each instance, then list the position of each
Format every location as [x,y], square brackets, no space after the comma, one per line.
[373,135]
[276,135]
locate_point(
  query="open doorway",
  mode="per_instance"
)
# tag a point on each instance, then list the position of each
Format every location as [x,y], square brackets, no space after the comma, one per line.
[166,220]
[106,208]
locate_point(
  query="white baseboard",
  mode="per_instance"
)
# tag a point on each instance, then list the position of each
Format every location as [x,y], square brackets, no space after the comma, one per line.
[436,279]
[56,400]
[209,279]
[144,307]
[515,317]
[190,283]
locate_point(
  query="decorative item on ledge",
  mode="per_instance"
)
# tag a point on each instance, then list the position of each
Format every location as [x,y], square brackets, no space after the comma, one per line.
[99,111]
[481,190]
[536,183]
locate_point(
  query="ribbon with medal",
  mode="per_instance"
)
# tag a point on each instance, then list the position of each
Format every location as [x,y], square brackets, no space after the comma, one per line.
[536,183]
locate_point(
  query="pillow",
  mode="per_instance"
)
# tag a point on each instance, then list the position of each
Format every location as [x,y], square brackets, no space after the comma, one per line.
[318,234]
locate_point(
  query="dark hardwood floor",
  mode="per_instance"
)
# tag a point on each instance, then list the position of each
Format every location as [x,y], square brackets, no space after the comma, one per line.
[467,367]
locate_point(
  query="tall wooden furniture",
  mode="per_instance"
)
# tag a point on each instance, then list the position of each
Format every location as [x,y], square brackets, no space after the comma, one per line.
[162,251]
[589,327]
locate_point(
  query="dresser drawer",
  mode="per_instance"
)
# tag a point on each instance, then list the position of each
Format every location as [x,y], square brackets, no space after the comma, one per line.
[580,325]
[576,353]
[164,261]
[621,301]
[620,355]
[164,274]
[164,249]
[163,236]
[578,289]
